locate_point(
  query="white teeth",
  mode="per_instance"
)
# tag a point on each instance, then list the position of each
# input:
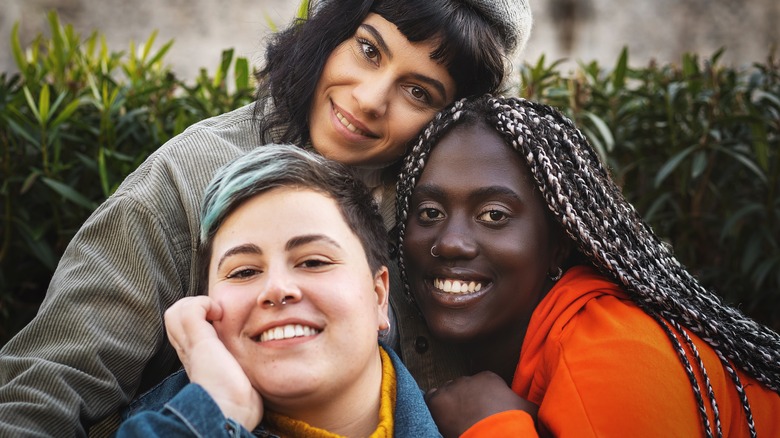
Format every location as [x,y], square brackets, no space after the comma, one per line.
[456,286]
[288,331]
[350,126]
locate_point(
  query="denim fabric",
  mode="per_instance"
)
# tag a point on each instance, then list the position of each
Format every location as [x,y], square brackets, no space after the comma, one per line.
[411,416]
[176,407]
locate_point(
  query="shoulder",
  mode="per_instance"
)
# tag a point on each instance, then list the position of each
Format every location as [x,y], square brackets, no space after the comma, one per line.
[176,174]
[411,415]
[155,398]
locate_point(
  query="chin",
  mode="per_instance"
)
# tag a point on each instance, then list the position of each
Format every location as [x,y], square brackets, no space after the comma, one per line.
[448,333]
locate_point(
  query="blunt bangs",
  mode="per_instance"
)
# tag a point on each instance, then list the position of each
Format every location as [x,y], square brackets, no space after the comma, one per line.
[468,46]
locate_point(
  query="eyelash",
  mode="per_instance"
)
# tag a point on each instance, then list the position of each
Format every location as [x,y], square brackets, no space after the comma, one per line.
[425,212]
[242,273]
[366,46]
[504,216]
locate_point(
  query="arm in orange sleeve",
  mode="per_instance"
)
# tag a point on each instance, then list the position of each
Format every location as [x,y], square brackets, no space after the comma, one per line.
[503,424]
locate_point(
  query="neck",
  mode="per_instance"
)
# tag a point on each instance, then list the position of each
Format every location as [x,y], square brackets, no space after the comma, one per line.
[370,175]
[499,355]
[349,411]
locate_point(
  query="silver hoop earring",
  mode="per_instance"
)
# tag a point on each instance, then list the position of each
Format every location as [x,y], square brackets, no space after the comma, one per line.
[557,276]
[433,252]
[386,331]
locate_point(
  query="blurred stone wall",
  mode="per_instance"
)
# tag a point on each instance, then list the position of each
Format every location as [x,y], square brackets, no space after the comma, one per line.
[573,29]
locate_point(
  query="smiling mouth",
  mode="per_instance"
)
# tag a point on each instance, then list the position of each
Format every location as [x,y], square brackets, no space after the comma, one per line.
[352,128]
[452,286]
[288,331]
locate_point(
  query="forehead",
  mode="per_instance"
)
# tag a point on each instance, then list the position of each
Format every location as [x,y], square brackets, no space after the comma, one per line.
[476,155]
[415,54]
[280,213]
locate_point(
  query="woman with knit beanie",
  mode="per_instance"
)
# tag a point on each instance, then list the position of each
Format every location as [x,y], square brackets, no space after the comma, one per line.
[577,319]
[354,82]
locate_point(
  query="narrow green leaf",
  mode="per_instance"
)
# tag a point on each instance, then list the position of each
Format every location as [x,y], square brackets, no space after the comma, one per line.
[31,104]
[160,53]
[148,47]
[270,22]
[23,133]
[29,181]
[69,193]
[16,47]
[39,248]
[698,164]
[606,133]
[672,164]
[227,58]
[65,114]
[303,10]
[242,74]
[747,162]
[619,74]
[730,224]
[43,104]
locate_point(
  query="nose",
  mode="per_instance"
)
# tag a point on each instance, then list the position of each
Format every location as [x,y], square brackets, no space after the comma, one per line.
[279,290]
[372,95]
[456,240]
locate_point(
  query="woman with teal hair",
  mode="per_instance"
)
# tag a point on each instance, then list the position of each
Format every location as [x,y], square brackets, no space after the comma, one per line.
[295,255]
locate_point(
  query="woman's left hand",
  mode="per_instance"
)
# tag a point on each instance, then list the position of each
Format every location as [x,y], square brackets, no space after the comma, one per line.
[461,403]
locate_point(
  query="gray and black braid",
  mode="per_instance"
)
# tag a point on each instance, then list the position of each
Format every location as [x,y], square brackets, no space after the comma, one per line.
[613,237]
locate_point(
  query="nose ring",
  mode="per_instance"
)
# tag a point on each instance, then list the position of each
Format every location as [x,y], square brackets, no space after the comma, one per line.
[433,251]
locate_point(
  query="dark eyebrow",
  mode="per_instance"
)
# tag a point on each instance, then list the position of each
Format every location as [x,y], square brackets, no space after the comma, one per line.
[433,191]
[489,191]
[384,48]
[309,238]
[247,248]
[378,37]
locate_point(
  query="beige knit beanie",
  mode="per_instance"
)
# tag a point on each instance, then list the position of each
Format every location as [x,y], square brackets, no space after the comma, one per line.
[512,19]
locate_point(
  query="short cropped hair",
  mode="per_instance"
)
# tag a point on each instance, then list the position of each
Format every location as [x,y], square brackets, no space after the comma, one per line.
[273,166]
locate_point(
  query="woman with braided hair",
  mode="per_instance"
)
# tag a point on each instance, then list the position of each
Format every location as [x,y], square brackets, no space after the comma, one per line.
[517,245]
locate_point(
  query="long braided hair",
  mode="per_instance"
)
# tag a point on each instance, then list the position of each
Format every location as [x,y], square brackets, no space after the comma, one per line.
[611,236]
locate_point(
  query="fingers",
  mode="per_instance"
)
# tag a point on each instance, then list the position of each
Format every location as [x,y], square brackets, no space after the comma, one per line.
[187,322]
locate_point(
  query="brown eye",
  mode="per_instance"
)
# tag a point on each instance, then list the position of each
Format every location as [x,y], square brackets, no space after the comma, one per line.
[430,214]
[493,216]
[369,50]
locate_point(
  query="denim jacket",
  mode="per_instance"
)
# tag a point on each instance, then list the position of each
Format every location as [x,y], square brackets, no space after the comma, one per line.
[177,407]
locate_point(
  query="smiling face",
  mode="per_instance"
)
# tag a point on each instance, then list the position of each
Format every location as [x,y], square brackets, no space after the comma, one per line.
[477,203]
[376,91]
[293,245]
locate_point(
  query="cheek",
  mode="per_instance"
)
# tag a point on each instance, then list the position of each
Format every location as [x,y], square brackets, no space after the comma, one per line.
[415,246]
[235,308]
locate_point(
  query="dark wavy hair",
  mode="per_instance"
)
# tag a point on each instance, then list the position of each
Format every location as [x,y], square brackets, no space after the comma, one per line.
[611,236]
[469,48]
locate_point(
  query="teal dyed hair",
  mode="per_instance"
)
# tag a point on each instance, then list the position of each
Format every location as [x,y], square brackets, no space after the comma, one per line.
[272,166]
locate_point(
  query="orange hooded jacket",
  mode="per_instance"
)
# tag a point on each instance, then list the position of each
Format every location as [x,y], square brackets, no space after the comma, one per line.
[598,366]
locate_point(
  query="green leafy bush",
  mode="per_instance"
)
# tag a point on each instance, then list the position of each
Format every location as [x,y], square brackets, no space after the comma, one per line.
[74,122]
[695,148]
